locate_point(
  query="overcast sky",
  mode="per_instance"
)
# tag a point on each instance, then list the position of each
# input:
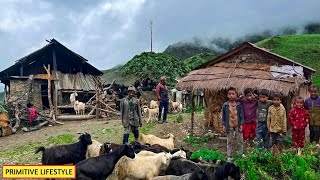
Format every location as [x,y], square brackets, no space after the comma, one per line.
[110,32]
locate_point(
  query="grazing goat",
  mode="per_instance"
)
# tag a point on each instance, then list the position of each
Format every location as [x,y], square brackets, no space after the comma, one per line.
[152,139]
[94,149]
[73,98]
[79,108]
[179,166]
[196,175]
[153,104]
[153,113]
[150,166]
[102,166]
[66,154]
[179,153]
[175,106]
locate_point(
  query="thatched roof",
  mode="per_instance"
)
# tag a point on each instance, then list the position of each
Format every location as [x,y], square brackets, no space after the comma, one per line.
[256,48]
[224,75]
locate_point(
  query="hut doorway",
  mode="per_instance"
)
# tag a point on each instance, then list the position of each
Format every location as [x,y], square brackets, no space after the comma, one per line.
[44,96]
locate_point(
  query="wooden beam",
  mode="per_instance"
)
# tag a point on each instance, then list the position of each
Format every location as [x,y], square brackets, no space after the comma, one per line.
[52,114]
[55,92]
[97,103]
[192,112]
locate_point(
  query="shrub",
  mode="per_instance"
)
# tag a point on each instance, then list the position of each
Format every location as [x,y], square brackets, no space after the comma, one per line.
[179,118]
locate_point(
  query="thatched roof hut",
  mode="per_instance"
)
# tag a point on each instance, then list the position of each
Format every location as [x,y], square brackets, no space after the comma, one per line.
[247,66]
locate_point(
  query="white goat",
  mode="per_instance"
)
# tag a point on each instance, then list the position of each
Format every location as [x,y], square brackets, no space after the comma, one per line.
[179,153]
[175,106]
[79,108]
[73,98]
[153,104]
[93,149]
[152,166]
[153,113]
[152,139]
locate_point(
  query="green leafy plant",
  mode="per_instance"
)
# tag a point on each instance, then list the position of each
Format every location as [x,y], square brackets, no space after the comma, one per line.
[196,140]
[179,118]
[196,109]
[208,154]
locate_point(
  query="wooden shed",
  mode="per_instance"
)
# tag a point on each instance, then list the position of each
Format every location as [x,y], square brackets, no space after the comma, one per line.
[27,79]
[246,66]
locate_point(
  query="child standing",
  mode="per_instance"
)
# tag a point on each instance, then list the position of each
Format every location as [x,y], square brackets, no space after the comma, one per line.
[299,119]
[277,121]
[262,129]
[250,106]
[232,120]
[312,104]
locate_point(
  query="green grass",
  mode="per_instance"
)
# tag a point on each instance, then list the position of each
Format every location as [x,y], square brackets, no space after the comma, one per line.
[260,164]
[25,154]
[304,49]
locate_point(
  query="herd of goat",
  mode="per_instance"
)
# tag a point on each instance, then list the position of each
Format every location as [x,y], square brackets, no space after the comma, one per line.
[148,158]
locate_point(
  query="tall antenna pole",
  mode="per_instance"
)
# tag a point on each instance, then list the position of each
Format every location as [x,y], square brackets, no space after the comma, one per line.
[151,33]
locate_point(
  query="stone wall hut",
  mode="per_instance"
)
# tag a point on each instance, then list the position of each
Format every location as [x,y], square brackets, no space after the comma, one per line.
[246,66]
[27,79]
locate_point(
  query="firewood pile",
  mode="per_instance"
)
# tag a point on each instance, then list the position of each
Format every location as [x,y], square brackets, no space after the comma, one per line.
[101,103]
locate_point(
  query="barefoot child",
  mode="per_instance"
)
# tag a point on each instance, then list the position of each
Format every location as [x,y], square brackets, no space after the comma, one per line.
[232,120]
[312,104]
[277,121]
[299,119]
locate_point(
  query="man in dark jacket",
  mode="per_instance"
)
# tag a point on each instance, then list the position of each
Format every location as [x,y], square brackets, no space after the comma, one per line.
[130,115]
[163,99]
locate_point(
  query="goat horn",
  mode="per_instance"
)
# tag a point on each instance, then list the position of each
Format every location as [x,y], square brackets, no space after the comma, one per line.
[79,133]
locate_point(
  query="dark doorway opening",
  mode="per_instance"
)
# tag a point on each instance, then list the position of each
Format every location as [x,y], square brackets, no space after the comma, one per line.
[44,96]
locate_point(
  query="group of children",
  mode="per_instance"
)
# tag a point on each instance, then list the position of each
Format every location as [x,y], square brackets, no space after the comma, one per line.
[254,117]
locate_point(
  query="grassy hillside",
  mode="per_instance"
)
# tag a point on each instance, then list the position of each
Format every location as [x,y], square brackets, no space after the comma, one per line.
[116,73]
[304,49]
[194,61]
[154,65]
[183,51]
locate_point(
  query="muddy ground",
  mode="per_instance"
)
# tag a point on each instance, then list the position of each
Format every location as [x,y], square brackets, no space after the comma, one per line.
[19,148]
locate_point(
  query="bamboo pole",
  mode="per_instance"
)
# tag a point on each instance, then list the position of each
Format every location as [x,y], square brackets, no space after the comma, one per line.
[192,112]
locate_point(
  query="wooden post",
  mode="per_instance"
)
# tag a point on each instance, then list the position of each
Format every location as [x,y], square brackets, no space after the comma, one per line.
[97,102]
[49,91]
[192,112]
[55,94]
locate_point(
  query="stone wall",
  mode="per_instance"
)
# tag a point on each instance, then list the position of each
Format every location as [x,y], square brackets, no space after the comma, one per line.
[19,89]
[251,56]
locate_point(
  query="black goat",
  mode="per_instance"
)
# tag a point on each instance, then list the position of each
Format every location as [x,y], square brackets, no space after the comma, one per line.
[102,166]
[179,166]
[66,154]
[196,175]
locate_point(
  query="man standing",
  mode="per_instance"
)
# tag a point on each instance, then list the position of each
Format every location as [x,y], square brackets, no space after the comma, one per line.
[130,115]
[163,99]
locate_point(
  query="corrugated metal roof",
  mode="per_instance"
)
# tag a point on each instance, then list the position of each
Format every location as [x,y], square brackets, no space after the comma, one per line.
[75,81]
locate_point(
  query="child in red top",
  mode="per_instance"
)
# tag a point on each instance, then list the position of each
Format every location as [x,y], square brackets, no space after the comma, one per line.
[299,119]
[32,113]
